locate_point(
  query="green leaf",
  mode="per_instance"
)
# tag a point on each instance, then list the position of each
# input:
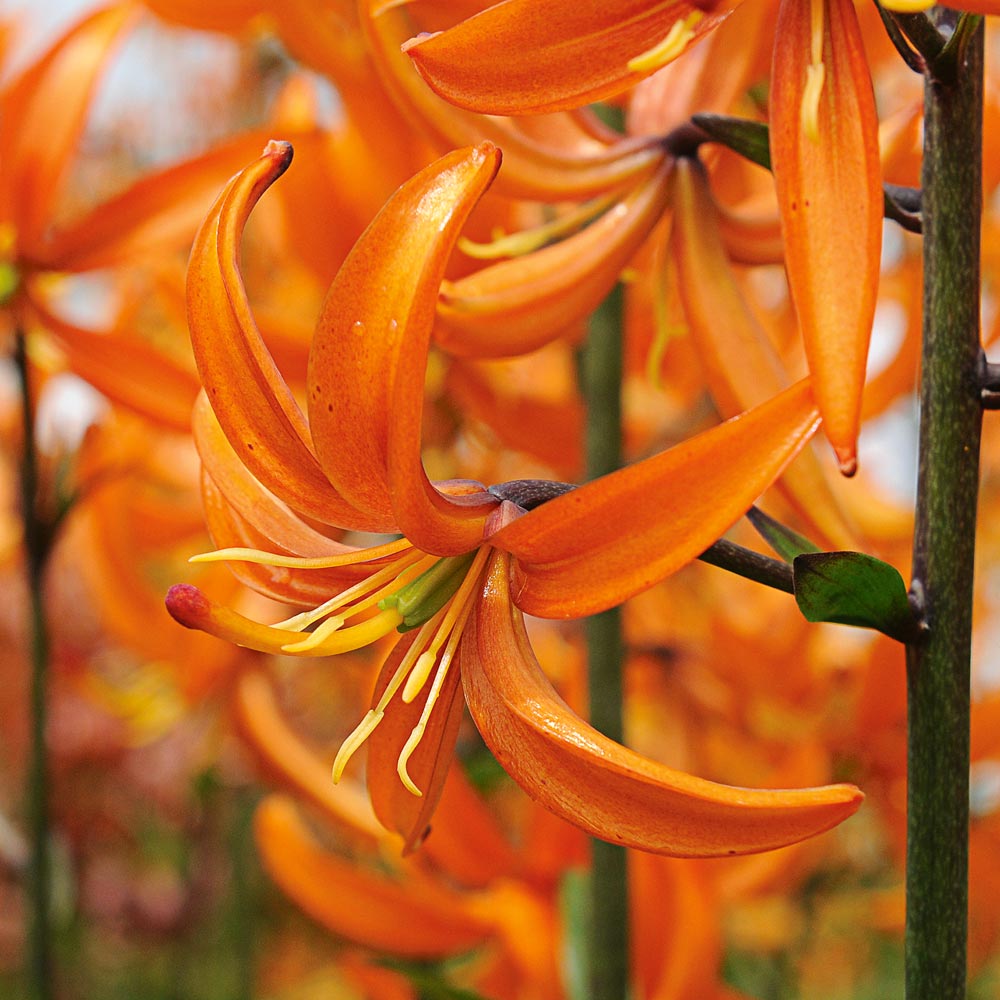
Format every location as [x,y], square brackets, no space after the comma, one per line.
[787,543]
[748,138]
[851,588]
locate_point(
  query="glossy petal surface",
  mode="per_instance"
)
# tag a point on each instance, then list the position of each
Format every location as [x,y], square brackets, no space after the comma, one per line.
[556,55]
[572,557]
[368,359]
[830,196]
[254,406]
[601,786]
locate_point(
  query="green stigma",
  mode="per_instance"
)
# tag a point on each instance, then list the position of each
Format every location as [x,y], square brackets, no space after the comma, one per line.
[425,596]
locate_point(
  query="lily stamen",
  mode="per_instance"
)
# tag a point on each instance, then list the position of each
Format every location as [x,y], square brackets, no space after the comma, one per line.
[417,733]
[432,651]
[397,574]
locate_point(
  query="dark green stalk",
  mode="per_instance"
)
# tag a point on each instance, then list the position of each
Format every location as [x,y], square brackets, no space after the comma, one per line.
[944,538]
[37,792]
[602,378]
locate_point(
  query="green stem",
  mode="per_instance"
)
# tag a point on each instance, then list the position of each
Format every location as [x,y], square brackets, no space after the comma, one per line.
[37,791]
[944,537]
[602,377]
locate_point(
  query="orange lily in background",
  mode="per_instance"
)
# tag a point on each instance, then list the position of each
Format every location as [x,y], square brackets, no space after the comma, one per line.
[824,147]
[43,113]
[356,464]
[479,890]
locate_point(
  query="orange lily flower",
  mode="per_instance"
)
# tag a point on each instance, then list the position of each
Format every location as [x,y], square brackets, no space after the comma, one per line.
[356,464]
[824,147]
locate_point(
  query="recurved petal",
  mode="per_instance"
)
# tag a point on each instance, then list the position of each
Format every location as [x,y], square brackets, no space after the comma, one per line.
[824,153]
[369,355]
[43,114]
[601,786]
[254,406]
[362,906]
[516,306]
[556,55]
[572,557]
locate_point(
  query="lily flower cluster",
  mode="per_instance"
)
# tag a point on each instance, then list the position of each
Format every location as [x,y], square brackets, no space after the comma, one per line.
[470,560]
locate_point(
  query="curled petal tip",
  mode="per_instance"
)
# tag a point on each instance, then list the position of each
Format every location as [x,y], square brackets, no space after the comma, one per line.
[848,461]
[187,605]
[280,151]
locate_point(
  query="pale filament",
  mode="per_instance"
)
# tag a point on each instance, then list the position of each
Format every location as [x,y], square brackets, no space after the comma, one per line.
[527,240]
[441,634]
[374,716]
[417,733]
[263,558]
[388,579]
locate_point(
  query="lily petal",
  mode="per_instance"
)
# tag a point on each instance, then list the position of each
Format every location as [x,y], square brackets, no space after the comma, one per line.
[286,757]
[516,306]
[368,358]
[556,55]
[255,407]
[125,368]
[43,114]
[742,367]
[569,164]
[397,808]
[826,168]
[396,917]
[158,213]
[601,786]
[676,504]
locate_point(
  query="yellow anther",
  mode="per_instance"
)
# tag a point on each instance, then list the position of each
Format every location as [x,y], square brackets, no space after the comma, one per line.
[815,72]
[330,641]
[350,746]
[809,111]
[670,48]
[418,675]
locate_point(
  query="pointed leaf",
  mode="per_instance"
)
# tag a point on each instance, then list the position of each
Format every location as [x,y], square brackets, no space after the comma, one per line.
[572,557]
[852,588]
[787,543]
[605,788]
[748,138]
